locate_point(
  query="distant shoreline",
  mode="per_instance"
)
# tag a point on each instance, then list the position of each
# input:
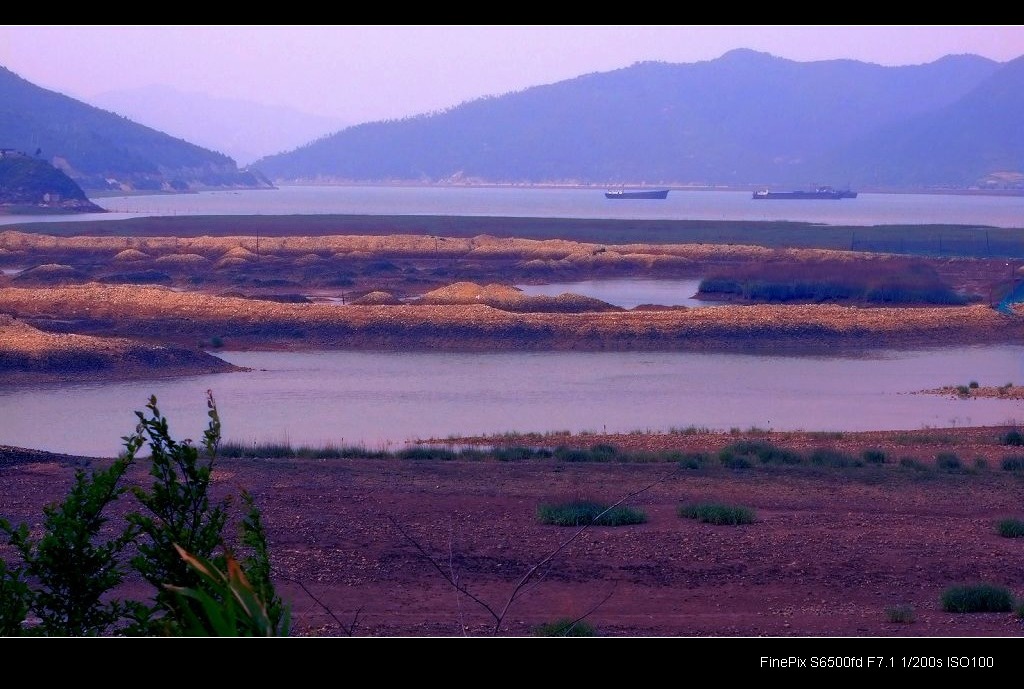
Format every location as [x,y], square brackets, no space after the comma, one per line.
[99,194]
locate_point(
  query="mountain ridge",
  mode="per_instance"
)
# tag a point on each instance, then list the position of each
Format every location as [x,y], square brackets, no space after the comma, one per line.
[103,150]
[746,118]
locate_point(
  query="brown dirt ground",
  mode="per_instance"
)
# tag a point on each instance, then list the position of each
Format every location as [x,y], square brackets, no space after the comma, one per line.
[831,549]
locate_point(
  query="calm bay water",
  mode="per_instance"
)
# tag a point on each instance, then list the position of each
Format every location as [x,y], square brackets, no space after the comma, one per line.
[626,292]
[388,398]
[867,209]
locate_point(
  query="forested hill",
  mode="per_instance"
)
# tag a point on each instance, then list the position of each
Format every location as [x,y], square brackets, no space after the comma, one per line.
[31,182]
[746,118]
[101,150]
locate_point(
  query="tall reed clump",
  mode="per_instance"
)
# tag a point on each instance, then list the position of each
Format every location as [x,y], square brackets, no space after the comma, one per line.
[582,512]
[718,513]
[977,598]
[1010,528]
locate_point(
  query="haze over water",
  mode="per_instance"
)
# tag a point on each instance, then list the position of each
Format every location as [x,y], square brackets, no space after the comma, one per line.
[379,398]
[387,398]
[867,209]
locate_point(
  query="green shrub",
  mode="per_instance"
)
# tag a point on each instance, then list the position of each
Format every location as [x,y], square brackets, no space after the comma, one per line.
[963,391]
[473,454]
[72,566]
[718,513]
[911,463]
[902,614]
[742,454]
[424,452]
[227,604]
[178,515]
[15,600]
[694,460]
[730,461]
[973,385]
[948,461]
[1014,437]
[1012,463]
[566,627]
[581,512]
[65,577]
[517,453]
[597,453]
[874,456]
[1010,528]
[977,598]
[829,457]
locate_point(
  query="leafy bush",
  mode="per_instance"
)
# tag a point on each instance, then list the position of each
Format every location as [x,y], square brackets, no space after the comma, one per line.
[65,578]
[694,460]
[717,513]
[597,453]
[177,511]
[973,385]
[1010,528]
[581,512]
[765,452]
[15,600]
[911,463]
[873,456]
[72,566]
[977,598]
[1012,463]
[948,461]
[742,454]
[566,627]
[730,461]
[1014,437]
[517,453]
[227,605]
[828,457]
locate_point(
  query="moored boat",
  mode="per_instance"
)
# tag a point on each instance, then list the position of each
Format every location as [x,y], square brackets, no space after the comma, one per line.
[818,193]
[637,194]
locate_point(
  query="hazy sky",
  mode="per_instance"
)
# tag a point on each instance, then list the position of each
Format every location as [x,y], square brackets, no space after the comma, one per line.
[360,73]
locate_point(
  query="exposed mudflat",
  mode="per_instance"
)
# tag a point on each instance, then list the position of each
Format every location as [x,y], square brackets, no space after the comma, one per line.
[830,552]
[29,355]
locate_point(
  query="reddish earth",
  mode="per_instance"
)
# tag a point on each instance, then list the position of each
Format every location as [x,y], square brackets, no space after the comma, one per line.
[831,550]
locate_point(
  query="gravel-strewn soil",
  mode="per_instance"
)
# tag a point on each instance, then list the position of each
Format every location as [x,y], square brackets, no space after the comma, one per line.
[831,550]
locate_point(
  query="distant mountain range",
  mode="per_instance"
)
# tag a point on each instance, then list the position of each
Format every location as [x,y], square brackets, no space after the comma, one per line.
[101,150]
[242,129]
[744,119]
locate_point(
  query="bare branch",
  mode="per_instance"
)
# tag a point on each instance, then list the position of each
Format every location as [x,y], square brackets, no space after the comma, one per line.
[430,558]
[592,610]
[455,577]
[349,630]
[530,573]
[534,575]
